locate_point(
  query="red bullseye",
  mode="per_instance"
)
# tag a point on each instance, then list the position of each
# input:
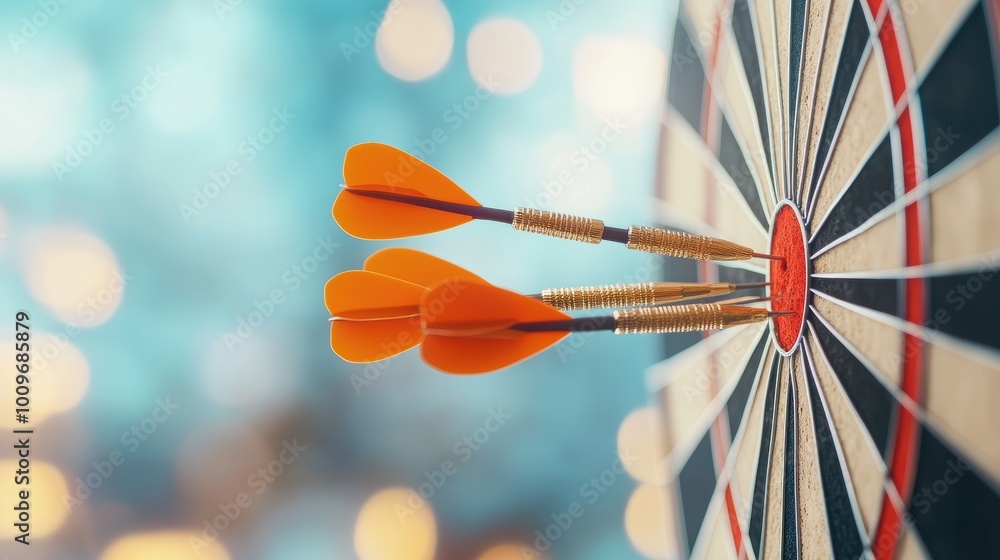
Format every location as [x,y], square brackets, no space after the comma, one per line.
[789,278]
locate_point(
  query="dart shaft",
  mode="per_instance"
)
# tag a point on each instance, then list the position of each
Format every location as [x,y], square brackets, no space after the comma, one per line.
[476,212]
[630,295]
[685,318]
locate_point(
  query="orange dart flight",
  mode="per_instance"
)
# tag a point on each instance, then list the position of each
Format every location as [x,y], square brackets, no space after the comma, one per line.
[376,310]
[390,194]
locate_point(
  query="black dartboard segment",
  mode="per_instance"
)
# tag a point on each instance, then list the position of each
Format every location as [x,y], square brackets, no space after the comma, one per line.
[737,275]
[686,92]
[902,297]
[844,534]
[954,510]
[746,39]
[870,192]
[959,95]
[790,517]
[756,529]
[734,161]
[795,46]
[696,482]
[875,405]
[741,393]
[856,39]
[879,294]
[967,305]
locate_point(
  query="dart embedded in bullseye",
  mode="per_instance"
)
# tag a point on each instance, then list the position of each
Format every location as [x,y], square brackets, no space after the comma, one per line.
[390,194]
[404,296]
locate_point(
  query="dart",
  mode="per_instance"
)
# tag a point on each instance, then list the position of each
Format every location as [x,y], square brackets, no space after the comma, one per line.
[485,328]
[375,308]
[368,294]
[390,194]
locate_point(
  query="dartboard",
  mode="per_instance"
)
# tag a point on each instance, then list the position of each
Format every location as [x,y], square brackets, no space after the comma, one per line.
[859,141]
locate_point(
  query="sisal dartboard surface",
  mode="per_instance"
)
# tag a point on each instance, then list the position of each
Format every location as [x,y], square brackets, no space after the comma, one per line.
[859,139]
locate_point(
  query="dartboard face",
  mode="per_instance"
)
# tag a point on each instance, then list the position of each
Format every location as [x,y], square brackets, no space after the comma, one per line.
[858,140]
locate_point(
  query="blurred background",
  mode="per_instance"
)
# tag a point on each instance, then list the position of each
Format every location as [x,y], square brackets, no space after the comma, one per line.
[166,176]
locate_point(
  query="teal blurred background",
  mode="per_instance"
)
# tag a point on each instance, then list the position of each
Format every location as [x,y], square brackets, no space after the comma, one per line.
[166,176]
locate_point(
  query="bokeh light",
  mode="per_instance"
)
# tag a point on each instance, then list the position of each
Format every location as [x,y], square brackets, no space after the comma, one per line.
[395,523]
[619,77]
[47,488]
[415,39]
[75,274]
[640,438]
[165,545]
[504,55]
[59,375]
[649,522]
[511,551]
[39,116]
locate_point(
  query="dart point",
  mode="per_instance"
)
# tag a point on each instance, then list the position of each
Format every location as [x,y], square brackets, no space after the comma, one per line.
[769,257]
[753,285]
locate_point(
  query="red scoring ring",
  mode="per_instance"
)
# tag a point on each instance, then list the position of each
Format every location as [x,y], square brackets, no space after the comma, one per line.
[789,278]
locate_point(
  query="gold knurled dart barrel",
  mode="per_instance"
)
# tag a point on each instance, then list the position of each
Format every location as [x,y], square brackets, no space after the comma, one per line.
[685,318]
[640,238]
[563,226]
[631,295]
[685,245]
